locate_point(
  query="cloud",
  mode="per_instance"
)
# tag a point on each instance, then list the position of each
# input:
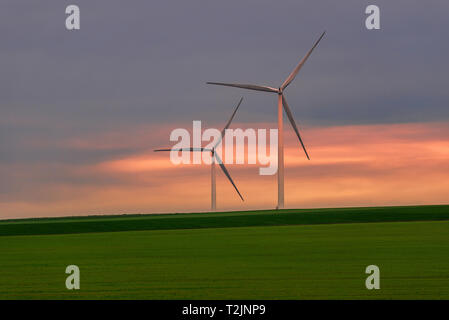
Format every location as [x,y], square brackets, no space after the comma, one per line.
[351,165]
[81,111]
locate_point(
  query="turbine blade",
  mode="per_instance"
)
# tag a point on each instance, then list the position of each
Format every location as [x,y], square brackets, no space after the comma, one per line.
[229,123]
[220,162]
[183,149]
[292,121]
[295,71]
[245,86]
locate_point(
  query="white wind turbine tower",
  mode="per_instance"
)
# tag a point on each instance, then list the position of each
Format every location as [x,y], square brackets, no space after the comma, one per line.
[281,102]
[214,156]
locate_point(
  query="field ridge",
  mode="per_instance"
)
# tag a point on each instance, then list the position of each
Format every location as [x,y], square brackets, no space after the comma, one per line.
[92,224]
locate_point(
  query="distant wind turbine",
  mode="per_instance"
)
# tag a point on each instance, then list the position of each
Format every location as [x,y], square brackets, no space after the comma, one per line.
[214,156]
[281,102]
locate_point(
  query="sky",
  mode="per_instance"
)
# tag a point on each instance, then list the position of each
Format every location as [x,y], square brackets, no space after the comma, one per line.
[81,111]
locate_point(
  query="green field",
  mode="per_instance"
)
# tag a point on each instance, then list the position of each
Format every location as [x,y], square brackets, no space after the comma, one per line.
[291,254]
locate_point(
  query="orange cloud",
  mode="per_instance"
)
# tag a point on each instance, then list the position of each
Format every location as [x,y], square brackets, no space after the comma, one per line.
[392,164]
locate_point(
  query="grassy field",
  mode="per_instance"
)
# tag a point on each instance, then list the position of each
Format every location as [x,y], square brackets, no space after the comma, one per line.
[288,255]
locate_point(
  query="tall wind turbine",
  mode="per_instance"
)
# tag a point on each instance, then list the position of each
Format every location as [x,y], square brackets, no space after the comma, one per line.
[281,102]
[214,156]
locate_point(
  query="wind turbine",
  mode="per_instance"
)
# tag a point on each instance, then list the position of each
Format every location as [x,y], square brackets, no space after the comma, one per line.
[281,102]
[214,156]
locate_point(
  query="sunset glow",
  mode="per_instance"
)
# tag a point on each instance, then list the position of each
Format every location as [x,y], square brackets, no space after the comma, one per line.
[364,165]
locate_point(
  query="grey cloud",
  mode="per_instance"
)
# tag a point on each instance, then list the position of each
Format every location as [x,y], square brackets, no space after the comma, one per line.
[146,63]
